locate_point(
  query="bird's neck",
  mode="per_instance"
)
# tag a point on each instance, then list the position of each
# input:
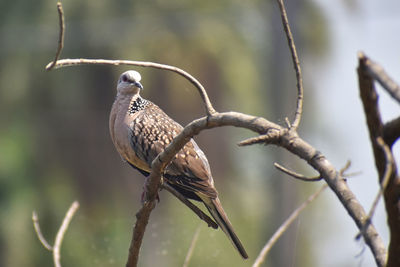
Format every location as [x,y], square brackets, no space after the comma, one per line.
[136,104]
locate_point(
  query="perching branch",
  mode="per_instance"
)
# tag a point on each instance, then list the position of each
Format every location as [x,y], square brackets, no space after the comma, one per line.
[60,234]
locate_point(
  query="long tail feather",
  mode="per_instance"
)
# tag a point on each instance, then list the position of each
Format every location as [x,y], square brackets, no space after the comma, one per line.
[215,208]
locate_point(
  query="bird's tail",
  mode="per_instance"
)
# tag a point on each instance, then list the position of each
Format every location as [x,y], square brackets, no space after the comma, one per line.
[215,208]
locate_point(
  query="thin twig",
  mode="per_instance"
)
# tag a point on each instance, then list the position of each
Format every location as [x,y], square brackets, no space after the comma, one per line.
[385,180]
[39,234]
[60,234]
[190,205]
[297,175]
[82,61]
[269,138]
[296,65]
[192,246]
[275,237]
[60,37]
[264,252]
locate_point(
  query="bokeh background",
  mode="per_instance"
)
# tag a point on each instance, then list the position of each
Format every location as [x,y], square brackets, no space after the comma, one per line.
[55,146]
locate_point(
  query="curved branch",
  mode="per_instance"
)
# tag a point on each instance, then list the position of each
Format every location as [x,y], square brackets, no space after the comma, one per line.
[83,61]
[60,234]
[296,65]
[288,140]
[285,225]
[60,37]
[42,239]
[297,175]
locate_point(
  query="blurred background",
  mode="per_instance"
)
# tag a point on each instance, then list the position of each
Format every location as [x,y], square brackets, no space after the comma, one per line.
[55,146]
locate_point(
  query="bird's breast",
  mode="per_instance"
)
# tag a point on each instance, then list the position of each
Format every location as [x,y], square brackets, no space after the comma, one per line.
[120,123]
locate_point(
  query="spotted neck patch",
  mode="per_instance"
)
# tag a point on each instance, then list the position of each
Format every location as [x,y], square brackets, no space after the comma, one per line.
[137,105]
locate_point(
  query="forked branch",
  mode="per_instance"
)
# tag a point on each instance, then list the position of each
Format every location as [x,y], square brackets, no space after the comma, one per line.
[60,234]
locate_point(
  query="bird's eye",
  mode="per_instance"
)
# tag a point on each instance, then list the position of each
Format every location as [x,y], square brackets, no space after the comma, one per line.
[124,78]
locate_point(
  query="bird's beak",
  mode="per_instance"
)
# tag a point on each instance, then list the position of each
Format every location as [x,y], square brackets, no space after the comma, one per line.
[138,85]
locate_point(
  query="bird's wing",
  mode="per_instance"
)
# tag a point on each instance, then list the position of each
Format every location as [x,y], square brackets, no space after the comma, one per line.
[151,131]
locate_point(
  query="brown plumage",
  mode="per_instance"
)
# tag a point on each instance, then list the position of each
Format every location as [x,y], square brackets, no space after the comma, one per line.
[140,130]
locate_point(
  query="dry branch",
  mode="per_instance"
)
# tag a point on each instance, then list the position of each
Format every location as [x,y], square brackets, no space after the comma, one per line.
[376,130]
[377,73]
[285,225]
[82,61]
[60,37]
[391,131]
[191,248]
[60,234]
[296,65]
[297,175]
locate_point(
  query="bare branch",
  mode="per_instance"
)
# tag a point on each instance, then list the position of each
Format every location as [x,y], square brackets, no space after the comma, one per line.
[82,61]
[60,234]
[378,73]
[271,137]
[391,131]
[60,37]
[297,175]
[283,228]
[292,143]
[39,234]
[192,246]
[296,65]
[285,225]
[386,178]
[190,205]
[369,99]
[142,218]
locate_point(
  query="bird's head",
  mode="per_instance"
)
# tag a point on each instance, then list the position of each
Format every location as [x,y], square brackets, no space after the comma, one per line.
[129,82]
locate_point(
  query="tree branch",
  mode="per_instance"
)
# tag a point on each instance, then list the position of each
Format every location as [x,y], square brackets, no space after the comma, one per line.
[377,73]
[285,225]
[82,61]
[60,234]
[391,131]
[39,234]
[60,37]
[191,248]
[375,125]
[297,175]
[296,65]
